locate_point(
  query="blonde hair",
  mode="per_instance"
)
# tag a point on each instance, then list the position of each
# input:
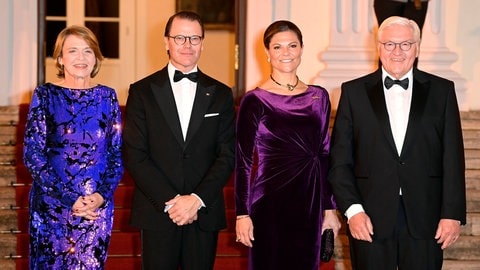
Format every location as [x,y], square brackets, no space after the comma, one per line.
[81,32]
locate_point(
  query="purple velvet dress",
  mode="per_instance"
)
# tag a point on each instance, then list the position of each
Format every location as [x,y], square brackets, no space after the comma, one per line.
[286,193]
[72,148]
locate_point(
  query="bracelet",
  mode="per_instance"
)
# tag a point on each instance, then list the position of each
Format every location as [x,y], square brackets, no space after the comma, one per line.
[244,216]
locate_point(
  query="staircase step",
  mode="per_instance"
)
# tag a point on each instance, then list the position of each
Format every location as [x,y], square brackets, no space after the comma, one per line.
[9,221]
[228,247]
[7,175]
[473,200]
[7,196]
[472,163]
[472,180]
[123,262]
[463,265]
[465,248]
[123,196]
[472,228]
[472,133]
[230,263]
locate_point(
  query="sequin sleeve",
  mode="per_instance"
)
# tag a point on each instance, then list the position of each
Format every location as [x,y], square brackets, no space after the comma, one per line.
[114,170]
[35,152]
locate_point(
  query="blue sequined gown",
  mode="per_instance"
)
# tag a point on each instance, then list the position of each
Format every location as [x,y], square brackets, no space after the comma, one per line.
[72,148]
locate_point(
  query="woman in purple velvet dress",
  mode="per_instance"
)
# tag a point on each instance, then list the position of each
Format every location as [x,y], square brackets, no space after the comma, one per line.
[283,201]
[72,150]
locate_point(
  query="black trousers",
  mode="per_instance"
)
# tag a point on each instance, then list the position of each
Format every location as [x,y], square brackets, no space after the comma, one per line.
[399,250]
[184,247]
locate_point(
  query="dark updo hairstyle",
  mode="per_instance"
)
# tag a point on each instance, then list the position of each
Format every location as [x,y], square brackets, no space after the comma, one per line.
[280,26]
[83,33]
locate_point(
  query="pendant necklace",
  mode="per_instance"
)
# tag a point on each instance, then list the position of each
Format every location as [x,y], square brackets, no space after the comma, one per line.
[288,86]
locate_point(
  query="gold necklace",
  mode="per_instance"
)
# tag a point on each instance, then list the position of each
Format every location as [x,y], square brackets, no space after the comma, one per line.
[288,86]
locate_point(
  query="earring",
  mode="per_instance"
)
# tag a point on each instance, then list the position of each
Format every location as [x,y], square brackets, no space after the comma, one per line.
[268,60]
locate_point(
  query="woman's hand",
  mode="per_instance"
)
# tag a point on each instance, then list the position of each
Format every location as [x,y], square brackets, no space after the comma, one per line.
[244,230]
[331,221]
[87,206]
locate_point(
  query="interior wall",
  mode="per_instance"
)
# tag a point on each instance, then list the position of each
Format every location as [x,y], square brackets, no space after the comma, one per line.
[311,16]
[217,58]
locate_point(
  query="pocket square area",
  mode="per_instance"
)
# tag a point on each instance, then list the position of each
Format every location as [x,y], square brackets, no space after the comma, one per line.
[211,114]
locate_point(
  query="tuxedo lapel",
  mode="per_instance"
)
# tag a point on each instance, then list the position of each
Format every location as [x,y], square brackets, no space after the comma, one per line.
[377,101]
[203,97]
[162,91]
[419,98]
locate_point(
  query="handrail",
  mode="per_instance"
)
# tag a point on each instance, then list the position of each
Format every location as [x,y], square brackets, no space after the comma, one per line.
[15,184]
[12,256]
[9,143]
[11,231]
[11,162]
[10,123]
[11,207]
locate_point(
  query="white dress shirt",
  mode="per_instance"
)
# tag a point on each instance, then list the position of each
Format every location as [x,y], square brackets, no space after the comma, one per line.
[398,102]
[184,94]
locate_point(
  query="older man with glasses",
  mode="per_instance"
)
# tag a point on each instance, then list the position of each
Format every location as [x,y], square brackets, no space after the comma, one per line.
[397,159]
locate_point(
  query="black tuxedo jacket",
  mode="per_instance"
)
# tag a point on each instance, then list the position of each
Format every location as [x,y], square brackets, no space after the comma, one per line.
[163,165]
[366,168]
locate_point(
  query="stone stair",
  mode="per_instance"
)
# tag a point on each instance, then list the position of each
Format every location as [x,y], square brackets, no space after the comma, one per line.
[124,250]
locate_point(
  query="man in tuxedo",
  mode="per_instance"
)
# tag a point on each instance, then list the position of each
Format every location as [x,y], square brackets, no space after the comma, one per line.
[397,159]
[179,149]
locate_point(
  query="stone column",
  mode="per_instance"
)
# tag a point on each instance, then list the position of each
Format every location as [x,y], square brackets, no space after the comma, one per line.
[351,52]
[434,56]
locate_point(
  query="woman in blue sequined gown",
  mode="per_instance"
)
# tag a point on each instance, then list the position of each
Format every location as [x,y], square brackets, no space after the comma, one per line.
[72,149]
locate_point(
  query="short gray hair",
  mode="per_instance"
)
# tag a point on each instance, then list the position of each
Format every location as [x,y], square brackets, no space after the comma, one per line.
[397,20]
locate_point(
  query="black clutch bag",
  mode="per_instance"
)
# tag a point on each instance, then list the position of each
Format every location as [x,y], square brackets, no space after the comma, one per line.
[326,250]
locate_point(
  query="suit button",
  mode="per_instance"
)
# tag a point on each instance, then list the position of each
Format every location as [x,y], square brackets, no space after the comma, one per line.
[186,156]
[401,162]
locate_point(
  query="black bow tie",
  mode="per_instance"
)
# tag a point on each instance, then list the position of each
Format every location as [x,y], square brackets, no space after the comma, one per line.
[179,75]
[389,82]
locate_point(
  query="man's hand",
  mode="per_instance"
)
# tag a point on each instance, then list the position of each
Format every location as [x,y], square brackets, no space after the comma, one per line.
[183,209]
[361,227]
[448,232]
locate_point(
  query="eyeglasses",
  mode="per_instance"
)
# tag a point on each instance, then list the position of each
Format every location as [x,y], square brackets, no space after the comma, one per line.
[180,40]
[404,46]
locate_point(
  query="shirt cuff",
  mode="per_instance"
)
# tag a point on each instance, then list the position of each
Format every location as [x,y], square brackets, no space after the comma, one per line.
[200,199]
[353,210]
